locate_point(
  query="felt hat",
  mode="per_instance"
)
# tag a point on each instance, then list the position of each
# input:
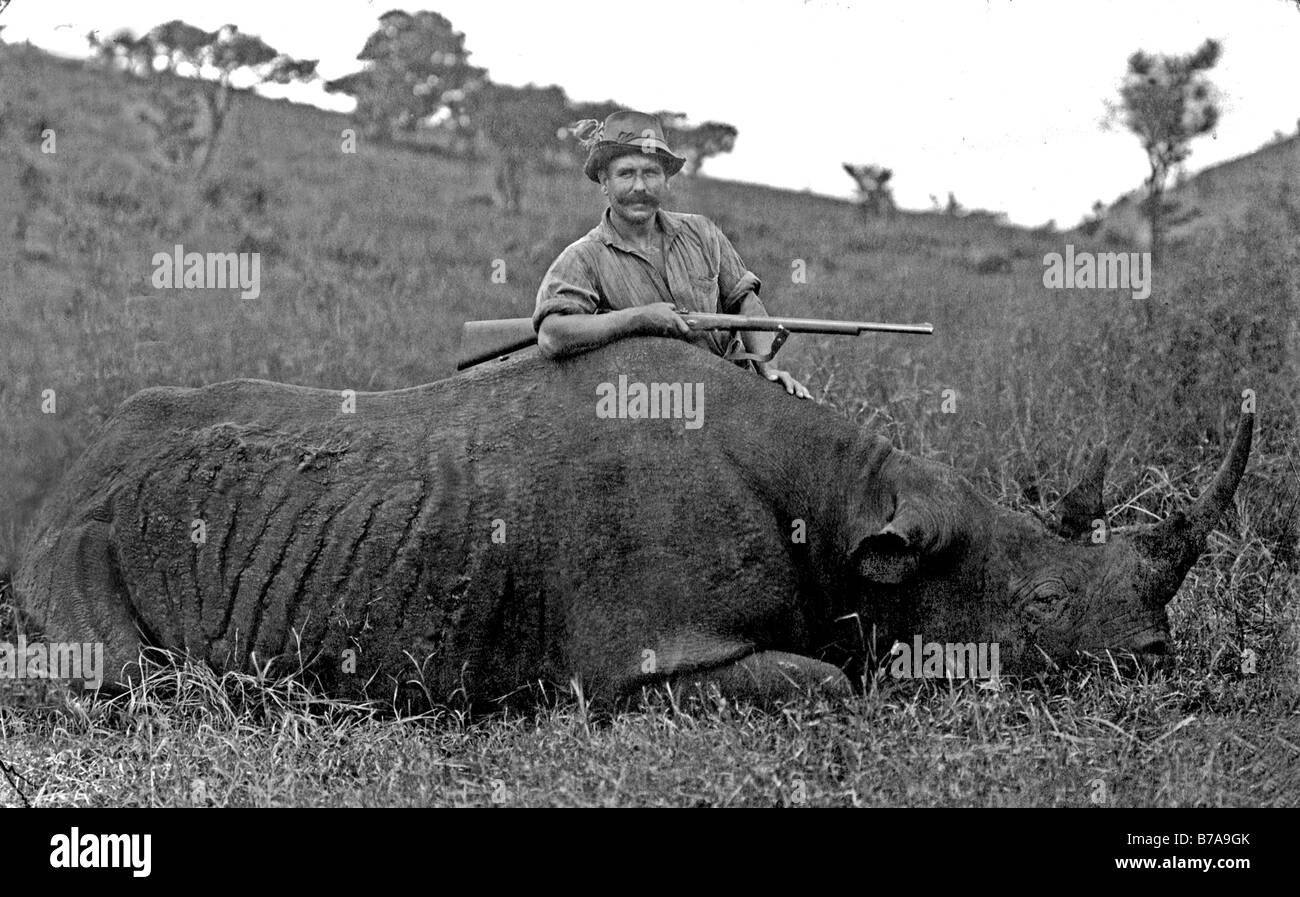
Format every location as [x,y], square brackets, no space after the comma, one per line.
[628,132]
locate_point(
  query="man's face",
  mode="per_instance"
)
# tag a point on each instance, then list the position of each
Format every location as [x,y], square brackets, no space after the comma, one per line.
[635,184]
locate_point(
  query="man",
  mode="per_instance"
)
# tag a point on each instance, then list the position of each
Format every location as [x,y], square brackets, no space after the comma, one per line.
[641,262]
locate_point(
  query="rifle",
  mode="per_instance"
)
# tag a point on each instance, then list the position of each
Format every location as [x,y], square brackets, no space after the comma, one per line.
[482,341]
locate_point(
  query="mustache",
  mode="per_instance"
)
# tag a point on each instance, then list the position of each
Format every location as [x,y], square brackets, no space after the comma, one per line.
[642,198]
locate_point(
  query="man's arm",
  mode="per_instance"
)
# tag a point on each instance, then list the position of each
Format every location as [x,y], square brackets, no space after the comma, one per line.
[561,335]
[738,295]
[566,312]
[759,342]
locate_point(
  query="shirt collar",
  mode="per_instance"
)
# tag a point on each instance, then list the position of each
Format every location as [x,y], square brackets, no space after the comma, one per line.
[605,230]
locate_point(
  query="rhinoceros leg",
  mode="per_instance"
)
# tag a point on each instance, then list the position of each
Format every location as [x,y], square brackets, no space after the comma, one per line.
[770,676]
[89,603]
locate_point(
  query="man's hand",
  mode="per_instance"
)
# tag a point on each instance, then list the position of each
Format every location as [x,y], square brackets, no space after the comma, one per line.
[760,343]
[660,319]
[562,336]
[792,386]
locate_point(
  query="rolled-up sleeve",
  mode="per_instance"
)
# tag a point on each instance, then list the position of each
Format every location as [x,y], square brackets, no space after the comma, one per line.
[735,281]
[569,287]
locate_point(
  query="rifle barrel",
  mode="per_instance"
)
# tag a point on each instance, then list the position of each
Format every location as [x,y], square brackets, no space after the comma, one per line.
[709,321]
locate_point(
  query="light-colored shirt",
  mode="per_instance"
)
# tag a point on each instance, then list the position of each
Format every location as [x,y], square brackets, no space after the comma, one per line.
[603,272]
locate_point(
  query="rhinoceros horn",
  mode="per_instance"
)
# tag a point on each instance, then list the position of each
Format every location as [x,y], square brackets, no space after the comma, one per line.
[1172,546]
[1083,504]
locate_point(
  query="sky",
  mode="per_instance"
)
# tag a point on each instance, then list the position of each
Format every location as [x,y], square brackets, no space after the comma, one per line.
[1002,102]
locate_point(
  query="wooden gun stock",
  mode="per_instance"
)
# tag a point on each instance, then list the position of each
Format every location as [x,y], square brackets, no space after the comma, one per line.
[482,341]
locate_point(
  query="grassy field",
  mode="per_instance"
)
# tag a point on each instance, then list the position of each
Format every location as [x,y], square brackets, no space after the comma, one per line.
[370,263]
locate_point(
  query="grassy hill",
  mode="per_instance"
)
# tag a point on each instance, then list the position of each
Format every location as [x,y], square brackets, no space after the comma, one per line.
[1222,193]
[371,262]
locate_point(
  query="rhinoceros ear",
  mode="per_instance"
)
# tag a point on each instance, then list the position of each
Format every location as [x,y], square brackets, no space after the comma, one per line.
[886,557]
[1082,505]
[892,554]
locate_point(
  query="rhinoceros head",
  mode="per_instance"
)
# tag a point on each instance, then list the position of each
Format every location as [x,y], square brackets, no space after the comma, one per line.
[949,567]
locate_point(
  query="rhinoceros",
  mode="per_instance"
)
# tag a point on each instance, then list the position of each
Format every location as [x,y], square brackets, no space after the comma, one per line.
[542,521]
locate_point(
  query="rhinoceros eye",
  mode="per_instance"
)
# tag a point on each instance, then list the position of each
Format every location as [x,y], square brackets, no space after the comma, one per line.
[1050,590]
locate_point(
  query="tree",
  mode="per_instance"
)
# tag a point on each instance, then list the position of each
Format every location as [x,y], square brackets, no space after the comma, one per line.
[122,49]
[696,142]
[875,196]
[208,61]
[521,123]
[231,52]
[1167,101]
[180,43]
[1092,223]
[417,68]
[703,141]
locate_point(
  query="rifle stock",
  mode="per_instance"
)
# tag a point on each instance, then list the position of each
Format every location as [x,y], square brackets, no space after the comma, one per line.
[482,341]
